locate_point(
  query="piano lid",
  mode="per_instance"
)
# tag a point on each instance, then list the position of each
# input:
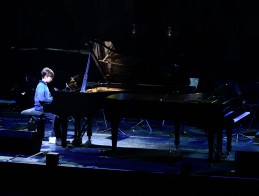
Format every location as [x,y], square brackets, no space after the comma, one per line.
[135,69]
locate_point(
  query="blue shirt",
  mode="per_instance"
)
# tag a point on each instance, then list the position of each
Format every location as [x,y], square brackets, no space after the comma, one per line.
[42,95]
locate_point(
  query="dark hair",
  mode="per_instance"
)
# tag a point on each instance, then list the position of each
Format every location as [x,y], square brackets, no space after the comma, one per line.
[47,72]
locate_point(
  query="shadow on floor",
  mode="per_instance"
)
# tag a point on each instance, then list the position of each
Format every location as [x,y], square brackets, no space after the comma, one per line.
[140,150]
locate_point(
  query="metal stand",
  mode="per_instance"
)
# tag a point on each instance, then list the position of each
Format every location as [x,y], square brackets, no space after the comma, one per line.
[141,121]
[183,130]
[241,137]
[104,119]
[120,132]
[106,125]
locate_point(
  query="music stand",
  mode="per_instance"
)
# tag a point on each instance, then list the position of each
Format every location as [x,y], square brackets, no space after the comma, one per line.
[239,136]
[106,125]
[141,121]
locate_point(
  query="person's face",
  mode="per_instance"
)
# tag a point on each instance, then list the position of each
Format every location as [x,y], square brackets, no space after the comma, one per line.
[48,79]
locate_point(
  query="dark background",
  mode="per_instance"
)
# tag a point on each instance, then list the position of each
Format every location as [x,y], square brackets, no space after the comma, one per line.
[209,37]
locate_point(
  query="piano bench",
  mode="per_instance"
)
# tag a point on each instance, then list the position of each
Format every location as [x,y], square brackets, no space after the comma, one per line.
[36,121]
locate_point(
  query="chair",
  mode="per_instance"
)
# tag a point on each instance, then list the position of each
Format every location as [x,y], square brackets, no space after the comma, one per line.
[36,122]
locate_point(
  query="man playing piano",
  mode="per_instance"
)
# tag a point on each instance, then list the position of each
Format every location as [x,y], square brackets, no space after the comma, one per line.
[43,96]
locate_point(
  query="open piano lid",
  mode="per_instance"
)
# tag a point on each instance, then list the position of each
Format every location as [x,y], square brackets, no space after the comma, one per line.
[119,68]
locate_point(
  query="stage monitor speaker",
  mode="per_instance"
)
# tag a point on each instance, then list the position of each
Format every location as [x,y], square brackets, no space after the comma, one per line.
[20,142]
[247,163]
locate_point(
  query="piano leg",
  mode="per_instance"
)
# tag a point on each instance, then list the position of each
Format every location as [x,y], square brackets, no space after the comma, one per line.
[77,135]
[219,145]
[229,140]
[64,126]
[89,126]
[177,128]
[211,145]
[114,130]
[211,134]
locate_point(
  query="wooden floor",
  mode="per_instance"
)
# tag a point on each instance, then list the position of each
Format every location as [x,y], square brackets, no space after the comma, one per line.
[145,148]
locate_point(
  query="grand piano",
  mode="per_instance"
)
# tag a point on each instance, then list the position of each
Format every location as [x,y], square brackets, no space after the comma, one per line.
[147,89]
[206,111]
[84,95]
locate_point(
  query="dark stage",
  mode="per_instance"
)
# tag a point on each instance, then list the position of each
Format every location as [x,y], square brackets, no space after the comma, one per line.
[132,46]
[146,158]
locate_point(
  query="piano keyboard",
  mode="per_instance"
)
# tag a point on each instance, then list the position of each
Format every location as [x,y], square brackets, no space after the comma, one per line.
[236,118]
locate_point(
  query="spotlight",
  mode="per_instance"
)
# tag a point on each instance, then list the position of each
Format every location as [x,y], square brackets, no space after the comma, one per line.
[169,31]
[134,30]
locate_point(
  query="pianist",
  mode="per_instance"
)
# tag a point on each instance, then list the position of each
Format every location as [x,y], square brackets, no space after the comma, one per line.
[43,96]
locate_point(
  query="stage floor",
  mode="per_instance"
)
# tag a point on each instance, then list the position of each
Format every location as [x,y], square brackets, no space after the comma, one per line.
[146,154]
[147,146]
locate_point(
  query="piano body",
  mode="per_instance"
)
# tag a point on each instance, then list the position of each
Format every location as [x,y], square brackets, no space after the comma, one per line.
[204,110]
[82,98]
[146,88]
[78,105]
[86,104]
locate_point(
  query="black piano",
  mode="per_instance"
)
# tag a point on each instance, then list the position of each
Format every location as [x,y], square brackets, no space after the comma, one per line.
[83,106]
[146,88]
[85,95]
[206,111]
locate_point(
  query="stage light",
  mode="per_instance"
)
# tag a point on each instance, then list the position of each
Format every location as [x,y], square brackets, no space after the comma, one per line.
[169,31]
[134,29]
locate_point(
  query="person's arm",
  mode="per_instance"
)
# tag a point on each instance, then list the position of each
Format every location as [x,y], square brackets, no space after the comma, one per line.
[44,95]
